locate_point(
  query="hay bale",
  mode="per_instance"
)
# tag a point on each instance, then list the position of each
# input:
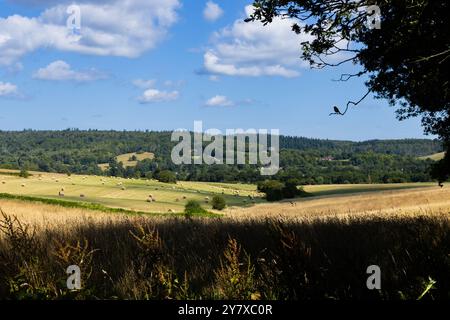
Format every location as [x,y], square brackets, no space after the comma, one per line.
[150,200]
[3,182]
[61,194]
[62,189]
[171,211]
[82,195]
[184,197]
[123,188]
[23,185]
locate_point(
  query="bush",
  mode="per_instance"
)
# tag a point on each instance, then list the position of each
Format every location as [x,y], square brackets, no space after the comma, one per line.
[273,190]
[193,207]
[218,203]
[290,189]
[167,176]
[276,190]
[24,173]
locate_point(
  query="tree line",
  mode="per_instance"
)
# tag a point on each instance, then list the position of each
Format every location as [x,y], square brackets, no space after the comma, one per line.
[309,161]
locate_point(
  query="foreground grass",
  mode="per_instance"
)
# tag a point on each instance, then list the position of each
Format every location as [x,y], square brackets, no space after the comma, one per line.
[133,257]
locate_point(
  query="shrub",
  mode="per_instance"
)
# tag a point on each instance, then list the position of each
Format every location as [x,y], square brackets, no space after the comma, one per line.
[290,189]
[193,207]
[218,203]
[273,190]
[167,176]
[276,190]
[24,173]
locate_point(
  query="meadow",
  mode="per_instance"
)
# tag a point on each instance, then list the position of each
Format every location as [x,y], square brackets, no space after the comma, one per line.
[132,194]
[311,248]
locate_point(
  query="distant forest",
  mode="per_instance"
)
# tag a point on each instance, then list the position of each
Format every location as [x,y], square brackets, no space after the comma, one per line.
[311,161]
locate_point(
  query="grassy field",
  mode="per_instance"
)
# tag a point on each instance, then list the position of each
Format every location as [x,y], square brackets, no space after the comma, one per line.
[435,157]
[125,159]
[132,194]
[312,248]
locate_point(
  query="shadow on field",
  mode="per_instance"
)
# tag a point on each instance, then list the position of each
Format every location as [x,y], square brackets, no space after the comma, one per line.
[220,259]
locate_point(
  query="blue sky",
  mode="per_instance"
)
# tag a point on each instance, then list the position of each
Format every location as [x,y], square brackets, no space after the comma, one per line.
[162,64]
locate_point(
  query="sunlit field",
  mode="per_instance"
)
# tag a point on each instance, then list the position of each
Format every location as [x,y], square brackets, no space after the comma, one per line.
[132,194]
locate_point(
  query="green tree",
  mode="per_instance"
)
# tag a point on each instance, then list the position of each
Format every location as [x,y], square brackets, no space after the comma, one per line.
[273,189]
[167,176]
[193,207]
[406,61]
[24,173]
[218,202]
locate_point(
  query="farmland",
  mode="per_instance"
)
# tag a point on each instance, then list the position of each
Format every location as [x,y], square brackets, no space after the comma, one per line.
[265,245]
[131,194]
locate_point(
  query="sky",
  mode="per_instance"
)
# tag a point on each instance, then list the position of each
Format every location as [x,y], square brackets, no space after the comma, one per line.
[163,64]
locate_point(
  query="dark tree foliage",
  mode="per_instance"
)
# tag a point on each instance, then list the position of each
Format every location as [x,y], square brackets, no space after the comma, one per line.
[218,203]
[166,176]
[406,61]
[310,161]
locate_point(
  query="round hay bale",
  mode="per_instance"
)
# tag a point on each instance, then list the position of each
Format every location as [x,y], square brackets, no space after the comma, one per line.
[82,196]
[149,200]
[3,182]
[171,211]
[184,197]
[23,185]
[123,188]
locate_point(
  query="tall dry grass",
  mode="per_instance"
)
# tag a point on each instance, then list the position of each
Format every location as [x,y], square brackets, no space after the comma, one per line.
[132,257]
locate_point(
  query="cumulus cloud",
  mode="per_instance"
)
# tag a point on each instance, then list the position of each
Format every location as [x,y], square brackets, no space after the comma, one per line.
[108,28]
[252,49]
[144,84]
[212,11]
[8,90]
[219,101]
[154,95]
[62,71]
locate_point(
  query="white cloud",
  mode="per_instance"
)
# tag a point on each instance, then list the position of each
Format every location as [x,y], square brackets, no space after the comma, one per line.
[8,90]
[144,84]
[108,28]
[219,101]
[252,49]
[212,11]
[154,95]
[62,71]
